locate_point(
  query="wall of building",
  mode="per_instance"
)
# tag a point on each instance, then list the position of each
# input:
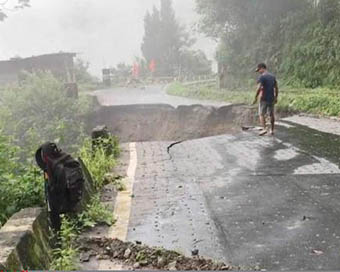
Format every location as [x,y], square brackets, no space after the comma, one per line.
[61,65]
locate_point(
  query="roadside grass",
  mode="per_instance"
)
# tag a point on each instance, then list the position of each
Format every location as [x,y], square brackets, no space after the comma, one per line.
[320,101]
[65,255]
[98,163]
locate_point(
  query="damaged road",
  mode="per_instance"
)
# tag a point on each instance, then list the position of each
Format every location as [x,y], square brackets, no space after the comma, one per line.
[171,146]
[262,202]
[240,199]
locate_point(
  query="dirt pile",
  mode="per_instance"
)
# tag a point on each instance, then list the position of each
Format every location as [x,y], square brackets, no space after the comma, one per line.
[138,256]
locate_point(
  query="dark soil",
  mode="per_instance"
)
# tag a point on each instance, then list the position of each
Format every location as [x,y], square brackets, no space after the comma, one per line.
[138,256]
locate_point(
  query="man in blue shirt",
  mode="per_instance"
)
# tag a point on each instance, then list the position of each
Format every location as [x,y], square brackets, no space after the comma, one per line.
[268,92]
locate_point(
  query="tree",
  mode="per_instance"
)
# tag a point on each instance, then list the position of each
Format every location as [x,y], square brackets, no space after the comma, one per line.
[150,46]
[81,70]
[6,7]
[329,10]
[195,63]
[166,41]
[292,37]
[163,38]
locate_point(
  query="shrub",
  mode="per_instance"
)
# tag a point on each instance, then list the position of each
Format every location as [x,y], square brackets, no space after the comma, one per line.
[31,113]
[21,185]
[98,161]
[38,110]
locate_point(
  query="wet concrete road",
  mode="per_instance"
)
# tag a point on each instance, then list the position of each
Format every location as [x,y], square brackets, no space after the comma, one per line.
[271,201]
[240,198]
[150,95]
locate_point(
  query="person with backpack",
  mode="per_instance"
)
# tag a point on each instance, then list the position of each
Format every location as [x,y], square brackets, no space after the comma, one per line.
[64,181]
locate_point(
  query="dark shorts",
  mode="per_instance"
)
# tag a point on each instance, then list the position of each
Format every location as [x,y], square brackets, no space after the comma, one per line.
[266,108]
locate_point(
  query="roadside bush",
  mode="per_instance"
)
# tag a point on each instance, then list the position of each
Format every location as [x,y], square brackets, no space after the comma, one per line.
[64,256]
[21,185]
[98,161]
[31,113]
[38,110]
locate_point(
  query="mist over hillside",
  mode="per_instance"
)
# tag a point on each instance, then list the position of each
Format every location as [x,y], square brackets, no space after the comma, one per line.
[103,33]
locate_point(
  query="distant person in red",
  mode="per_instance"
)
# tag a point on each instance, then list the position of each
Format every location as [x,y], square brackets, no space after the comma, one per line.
[152,66]
[268,92]
[135,71]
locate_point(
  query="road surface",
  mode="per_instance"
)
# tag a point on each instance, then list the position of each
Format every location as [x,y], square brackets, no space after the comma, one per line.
[271,202]
[150,95]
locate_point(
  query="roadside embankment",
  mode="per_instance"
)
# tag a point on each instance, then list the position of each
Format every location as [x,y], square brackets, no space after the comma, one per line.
[160,122]
[24,241]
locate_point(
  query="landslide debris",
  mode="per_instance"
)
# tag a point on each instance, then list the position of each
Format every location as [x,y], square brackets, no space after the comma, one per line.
[138,256]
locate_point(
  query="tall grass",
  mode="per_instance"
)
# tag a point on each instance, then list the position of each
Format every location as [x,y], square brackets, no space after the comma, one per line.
[322,101]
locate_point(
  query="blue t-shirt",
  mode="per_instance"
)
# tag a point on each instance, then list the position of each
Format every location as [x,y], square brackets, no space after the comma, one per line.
[268,82]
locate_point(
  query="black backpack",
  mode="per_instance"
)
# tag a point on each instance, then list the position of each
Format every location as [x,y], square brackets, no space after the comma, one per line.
[66,177]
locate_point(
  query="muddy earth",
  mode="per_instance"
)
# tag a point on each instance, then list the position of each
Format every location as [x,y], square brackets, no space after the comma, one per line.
[262,202]
[138,256]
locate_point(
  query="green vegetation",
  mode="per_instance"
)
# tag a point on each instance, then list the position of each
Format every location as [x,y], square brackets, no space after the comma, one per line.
[31,113]
[10,6]
[21,184]
[299,40]
[85,81]
[99,163]
[170,46]
[64,257]
[38,110]
[321,101]
[65,254]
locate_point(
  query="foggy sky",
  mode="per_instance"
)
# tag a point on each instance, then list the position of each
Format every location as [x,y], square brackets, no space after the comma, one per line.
[103,32]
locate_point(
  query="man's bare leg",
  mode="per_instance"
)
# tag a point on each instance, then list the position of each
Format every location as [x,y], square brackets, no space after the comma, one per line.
[263,124]
[272,121]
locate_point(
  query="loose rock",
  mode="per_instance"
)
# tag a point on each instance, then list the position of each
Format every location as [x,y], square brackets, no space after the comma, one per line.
[127,253]
[84,257]
[136,266]
[195,252]
[160,262]
[172,266]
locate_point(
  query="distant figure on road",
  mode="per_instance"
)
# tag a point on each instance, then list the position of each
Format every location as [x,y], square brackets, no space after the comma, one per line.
[268,91]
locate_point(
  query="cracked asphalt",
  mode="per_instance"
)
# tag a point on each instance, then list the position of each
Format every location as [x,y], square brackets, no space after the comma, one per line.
[271,202]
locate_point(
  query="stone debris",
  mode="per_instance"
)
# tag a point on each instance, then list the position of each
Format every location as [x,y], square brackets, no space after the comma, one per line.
[143,257]
[127,253]
[84,257]
[136,265]
[172,266]
[195,252]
